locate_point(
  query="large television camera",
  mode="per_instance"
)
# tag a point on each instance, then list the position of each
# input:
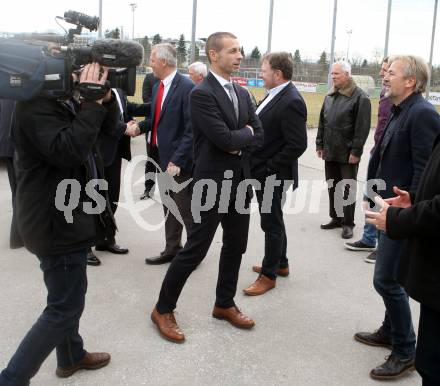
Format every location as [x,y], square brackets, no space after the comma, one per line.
[42,64]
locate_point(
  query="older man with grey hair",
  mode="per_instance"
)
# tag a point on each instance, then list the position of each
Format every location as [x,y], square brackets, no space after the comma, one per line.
[197,72]
[171,139]
[344,124]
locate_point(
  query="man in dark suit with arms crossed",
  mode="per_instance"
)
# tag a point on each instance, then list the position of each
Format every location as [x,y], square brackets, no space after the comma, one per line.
[225,126]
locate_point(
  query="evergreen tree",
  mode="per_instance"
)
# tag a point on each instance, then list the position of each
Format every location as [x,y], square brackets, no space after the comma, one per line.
[181,50]
[323,58]
[255,54]
[156,39]
[364,63]
[242,51]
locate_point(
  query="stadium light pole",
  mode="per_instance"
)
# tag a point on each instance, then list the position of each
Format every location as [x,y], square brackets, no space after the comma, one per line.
[269,33]
[428,86]
[193,32]
[100,20]
[349,32]
[332,52]
[133,8]
[387,32]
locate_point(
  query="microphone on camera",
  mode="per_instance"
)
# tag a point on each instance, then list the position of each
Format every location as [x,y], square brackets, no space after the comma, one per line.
[117,53]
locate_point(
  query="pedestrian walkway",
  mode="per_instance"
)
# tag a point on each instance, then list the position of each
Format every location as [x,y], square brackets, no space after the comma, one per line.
[304,328]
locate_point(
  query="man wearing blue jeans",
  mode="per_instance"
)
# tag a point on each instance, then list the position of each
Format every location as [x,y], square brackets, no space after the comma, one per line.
[56,158]
[369,237]
[399,160]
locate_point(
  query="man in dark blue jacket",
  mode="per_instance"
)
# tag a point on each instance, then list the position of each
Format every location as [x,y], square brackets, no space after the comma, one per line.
[170,133]
[399,160]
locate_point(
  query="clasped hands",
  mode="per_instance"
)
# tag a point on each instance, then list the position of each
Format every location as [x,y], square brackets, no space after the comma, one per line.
[132,129]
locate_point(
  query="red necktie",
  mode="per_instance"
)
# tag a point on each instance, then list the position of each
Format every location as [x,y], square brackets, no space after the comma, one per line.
[157,109]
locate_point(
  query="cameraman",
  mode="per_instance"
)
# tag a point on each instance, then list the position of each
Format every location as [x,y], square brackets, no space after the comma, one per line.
[55,141]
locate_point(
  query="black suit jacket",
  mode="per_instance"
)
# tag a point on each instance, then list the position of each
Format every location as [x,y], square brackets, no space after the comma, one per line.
[401,159]
[147,87]
[6,111]
[113,143]
[285,136]
[420,265]
[174,134]
[217,132]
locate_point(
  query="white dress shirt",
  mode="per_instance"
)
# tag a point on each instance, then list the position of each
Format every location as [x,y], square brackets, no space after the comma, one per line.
[222,82]
[272,93]
[166,85]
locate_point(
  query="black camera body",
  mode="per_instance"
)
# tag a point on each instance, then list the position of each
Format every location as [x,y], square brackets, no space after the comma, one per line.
[37,64]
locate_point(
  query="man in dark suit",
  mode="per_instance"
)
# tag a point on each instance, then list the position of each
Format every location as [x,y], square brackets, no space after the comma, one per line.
[170,131]
[399,160]
[283,114]
[7,155]
[147,90]
[225,128]
[114,145]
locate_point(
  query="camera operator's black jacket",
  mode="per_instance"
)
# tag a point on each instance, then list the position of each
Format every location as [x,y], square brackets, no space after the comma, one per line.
[56,141]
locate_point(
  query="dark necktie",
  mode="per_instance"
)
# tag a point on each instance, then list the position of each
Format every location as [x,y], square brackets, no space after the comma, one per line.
[234,98]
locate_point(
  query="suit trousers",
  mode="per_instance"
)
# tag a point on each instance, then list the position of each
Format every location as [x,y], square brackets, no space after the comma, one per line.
[152,153]
[337,172]
[15,240]
[272,224]
[57,327]
[235,227]
[428,346]
[173,227]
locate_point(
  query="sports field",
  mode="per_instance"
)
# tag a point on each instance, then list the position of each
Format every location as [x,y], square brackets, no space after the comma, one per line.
[313,102]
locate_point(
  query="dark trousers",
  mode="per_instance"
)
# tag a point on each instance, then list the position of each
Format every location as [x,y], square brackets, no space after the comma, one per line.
[397,323]
[15,240]
[428,346]
[57,327]
[173,227]
[235,234]
[112,175]
[152,153]
[337,172]
[272,224]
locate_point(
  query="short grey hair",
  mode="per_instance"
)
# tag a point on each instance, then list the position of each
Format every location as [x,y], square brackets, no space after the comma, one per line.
[414,67]
[199,67]
[166,52]
[346,67]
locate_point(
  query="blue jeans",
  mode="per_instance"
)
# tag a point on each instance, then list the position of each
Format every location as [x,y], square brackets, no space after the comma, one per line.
[369,236]
[397,323]
[57,327]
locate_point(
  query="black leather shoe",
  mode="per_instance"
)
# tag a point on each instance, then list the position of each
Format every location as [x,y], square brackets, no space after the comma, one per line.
[92,259]
[113,248]
[393,368]
[334,223]
[161,259]
[376,338]
[347,232]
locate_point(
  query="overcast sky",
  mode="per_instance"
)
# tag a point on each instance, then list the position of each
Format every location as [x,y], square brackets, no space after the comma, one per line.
[303,25]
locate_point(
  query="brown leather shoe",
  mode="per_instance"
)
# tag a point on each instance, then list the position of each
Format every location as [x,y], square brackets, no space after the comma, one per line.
[234,316]
[167,325]
[91,361]
[260,286]
[284,272]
